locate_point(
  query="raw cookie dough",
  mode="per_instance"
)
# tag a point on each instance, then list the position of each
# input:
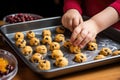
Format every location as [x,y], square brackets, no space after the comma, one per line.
[46,32]
[59,38]
[61,62]
[47,40]
[27,50]
[67,44]
[92,46]
[34,41]
[99,57]
[44,65]
[54,46]
[18,35]
[80,57]
[75,49]
[42,49]
[116,52]
[30,34]
[56,54]
[60,29]
[105,51]
[20,43]
[36,57]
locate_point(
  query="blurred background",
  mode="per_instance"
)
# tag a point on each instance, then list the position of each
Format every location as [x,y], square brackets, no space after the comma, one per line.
[45,8]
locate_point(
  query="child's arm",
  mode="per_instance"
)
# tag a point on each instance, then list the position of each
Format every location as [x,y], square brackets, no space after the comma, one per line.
[88,30]
[72,16]
[106,18]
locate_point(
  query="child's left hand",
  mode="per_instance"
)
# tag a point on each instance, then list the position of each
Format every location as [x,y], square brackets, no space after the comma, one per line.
[84,33]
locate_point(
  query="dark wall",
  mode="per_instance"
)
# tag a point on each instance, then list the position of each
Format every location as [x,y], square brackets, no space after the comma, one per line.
[45,8]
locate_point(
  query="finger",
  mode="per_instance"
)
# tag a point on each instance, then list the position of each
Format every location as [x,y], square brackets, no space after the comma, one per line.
[75,23]
[93,38]
[78,40]
[81,20]
[87,39]
[76,31]
[63,22]
[69,24]
[84,34]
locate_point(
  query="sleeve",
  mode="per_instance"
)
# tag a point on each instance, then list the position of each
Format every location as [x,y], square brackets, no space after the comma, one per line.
[116,5]
[72,4]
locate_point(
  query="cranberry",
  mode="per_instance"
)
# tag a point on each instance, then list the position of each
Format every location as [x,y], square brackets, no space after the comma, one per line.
[21,17]
[9,68]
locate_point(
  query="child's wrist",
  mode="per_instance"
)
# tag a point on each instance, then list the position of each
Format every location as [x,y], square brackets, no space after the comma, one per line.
[96,26]
[74,10]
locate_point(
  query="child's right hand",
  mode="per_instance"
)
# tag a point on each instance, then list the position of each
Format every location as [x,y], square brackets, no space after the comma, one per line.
[71,19]
[84,33]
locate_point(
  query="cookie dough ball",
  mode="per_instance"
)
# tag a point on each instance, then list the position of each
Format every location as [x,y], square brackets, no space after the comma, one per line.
[59,38]
[56,54]
[36,57]
[116,52]
[42,49]
[92,46]
[19,35]
[44,65]
[99,57]
[54,46]
[20,43]
[67,44]
[46,32]
[47,40]
[27,50]
[75,49]
[61,62]
[105,51]
[34,41]
[30,34]
[80,57]
[60,29]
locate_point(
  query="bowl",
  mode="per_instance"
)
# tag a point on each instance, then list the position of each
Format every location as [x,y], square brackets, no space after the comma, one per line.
[12,67]
[20,17]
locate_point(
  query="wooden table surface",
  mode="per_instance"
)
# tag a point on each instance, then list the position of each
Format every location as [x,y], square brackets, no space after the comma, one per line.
[106,72]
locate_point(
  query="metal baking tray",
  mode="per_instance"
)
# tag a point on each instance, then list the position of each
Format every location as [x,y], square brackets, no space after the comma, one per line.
[108,38]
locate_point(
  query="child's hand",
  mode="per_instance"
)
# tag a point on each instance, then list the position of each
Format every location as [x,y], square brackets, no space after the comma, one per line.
[84,33]
[71,19]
